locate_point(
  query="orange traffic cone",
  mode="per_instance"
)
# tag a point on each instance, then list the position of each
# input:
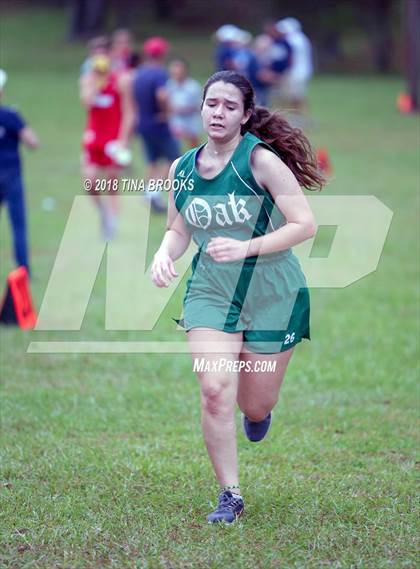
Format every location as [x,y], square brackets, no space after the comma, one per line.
[324,162]
[404,103]
[17,307]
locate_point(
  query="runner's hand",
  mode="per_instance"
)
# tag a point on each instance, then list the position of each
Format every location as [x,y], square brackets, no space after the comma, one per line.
[163,270]
[224,249]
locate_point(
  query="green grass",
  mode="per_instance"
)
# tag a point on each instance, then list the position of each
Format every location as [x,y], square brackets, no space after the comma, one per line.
[102,461]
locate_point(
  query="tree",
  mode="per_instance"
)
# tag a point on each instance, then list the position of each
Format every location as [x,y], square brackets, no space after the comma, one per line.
[412,50]
[86,17]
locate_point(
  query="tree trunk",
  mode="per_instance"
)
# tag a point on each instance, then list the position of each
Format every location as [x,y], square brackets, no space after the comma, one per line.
[412,50]
[86,18]
[75,30]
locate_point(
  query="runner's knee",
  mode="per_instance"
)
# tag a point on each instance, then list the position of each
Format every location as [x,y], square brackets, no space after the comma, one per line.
[216,395]
[257,411]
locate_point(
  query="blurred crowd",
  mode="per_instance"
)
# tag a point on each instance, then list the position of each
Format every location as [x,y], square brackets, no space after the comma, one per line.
[128,92]
[277,62]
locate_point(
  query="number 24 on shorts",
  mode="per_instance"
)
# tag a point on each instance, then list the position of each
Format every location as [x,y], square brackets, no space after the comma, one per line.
[289,338]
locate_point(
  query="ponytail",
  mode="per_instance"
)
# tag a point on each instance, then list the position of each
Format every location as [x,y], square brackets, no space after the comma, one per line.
[290,144]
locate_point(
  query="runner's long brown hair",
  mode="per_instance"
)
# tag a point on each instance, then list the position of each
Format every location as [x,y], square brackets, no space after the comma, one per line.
[290,143]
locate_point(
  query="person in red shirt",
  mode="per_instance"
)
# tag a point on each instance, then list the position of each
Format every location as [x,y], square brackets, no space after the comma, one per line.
[110,121]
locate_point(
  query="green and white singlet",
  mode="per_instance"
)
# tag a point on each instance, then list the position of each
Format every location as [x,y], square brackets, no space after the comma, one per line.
[265,297]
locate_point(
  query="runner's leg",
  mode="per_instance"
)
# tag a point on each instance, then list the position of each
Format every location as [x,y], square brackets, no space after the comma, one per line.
[218,400]
[258,391]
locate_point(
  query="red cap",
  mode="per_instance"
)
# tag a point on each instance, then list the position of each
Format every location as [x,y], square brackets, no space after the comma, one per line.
[155,47]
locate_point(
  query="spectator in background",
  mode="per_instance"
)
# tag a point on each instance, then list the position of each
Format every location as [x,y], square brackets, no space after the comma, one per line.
[262,48]
[226,36]
[184,103]
[261,76]
[96,46]
[152,103]
[14,131]
[134,61]
[301,69]
[110,121]
[242,53]
[246,62]
[121,50]
[281,54]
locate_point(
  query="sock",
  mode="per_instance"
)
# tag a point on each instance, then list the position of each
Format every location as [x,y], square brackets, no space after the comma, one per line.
[236,495]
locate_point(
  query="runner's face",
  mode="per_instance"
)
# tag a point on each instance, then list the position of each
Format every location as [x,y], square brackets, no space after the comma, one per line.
[223,111]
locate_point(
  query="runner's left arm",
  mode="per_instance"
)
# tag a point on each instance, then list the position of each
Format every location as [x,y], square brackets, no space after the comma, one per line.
[273,175]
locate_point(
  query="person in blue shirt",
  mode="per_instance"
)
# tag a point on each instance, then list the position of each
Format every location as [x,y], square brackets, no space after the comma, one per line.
[13,132]
[226,51]
[257,76]
[224,56]
[280,54]
[261,76]
[234,53]
[152,102]
[246,62]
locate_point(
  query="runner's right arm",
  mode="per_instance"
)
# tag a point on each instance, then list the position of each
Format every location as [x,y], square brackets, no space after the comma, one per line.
[174,244]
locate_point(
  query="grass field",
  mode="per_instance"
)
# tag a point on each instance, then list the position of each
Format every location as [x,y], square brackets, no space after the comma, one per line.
[102,461]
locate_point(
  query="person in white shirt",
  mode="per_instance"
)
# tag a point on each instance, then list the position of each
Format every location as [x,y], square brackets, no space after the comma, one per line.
[301,69]
[184,94]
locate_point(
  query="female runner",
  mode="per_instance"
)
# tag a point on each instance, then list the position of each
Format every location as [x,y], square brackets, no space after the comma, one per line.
[239,197]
